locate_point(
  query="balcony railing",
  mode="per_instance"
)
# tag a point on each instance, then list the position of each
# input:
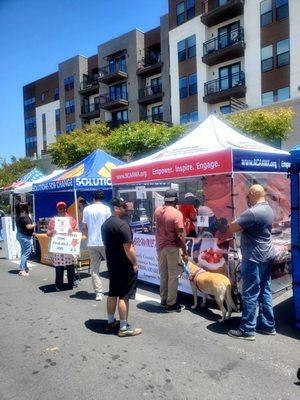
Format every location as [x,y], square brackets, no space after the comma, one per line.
[90,108]
[112,73]
[114,124]
[89,85]
[223,41]
[216,11]
[223,88]
[150,94]
[149,65]
[113,100]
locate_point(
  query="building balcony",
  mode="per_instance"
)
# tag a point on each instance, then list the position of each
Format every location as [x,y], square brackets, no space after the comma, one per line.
[215,11]
[90,111]
[150,94]
[115,124]
[111,102]
[224,47]
[89,87]
[112,73]
[149,65]
[223,89]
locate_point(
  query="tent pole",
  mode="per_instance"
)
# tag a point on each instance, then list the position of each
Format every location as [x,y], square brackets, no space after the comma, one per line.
[76,207]
[33,211]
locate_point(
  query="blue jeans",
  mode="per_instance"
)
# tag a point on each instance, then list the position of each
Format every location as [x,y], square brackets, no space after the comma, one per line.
[26,247]
[257,290]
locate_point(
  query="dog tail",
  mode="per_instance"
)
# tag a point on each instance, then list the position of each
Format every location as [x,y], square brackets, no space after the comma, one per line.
[229,298]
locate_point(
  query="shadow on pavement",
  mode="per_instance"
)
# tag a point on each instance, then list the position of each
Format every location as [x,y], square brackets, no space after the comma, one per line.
[52,289]
[205,313]
[104,274]
[151,307]
[99,325]
[82,275]
[223,327]
[14,271]
[284,316]
[83,295]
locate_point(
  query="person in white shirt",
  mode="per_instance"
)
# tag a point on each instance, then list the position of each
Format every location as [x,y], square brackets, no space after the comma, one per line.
[93,217]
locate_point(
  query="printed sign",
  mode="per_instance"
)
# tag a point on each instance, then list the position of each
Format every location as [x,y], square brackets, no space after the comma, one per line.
[66,244]
[203,221]
[141,192]
[62,224]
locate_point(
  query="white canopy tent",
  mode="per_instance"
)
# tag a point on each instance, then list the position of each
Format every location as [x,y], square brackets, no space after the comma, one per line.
[27,187]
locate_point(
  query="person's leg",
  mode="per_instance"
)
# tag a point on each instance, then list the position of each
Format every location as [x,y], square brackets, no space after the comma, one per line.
[95,260]
[125,328]
[163,273]
[71,275]
[173,272]
[251,291]
[25,244]
[59,277]
[123,308]
[265,320]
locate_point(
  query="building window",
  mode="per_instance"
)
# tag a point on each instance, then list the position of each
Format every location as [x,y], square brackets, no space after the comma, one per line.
[30,123]
[192,84]
[70,106]
[191,44]
[69,83]
[184,118]
[157,113]
[225,109]
[190,9]
[30,142]
[283,53]
[56,93]
[43,96]
[29,104]
[283,94]
[194,116]
[70,127]
[118,92]
[180,13]
[267,98]
[266,14]
[58,132]
[267,58]
[57,114]
[183,87]
[191,117]
[181,51]
[282,9]
[120,116]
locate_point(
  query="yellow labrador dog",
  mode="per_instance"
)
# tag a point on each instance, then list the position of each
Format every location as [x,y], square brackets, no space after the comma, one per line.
[211,283]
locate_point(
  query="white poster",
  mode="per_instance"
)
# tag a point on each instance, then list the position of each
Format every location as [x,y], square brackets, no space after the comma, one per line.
[202,221]
[145,250]
[141,192]
[66,244]
[62,224]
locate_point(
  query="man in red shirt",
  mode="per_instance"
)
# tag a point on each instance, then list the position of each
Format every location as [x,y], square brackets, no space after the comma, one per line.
[189,213]
[169,239]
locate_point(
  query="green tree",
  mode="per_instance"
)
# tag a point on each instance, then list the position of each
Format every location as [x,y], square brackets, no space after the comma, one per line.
[266,124]
[15,169]
[137,138]
[71,148]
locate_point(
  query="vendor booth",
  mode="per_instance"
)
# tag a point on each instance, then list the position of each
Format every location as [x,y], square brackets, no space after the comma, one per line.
[74,186]
[295,193]
[211,168]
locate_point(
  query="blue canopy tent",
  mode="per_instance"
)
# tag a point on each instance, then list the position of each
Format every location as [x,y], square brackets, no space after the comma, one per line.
[92,173]
[294,174]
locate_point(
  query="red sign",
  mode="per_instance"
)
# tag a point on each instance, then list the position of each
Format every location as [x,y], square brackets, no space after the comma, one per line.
[203,164]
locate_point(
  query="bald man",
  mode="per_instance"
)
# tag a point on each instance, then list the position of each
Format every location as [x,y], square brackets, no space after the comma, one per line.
[258,254]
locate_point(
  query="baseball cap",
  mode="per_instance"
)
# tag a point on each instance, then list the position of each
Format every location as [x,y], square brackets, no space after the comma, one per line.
[118,202]
[61,204]
[171,195]
[189,194]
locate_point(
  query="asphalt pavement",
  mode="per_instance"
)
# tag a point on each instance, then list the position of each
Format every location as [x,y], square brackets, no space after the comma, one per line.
[53,346]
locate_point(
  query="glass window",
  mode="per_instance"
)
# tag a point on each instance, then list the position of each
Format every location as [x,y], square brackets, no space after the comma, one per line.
[57,114]
[194,116]
[70,106]
[190,9]
[222,2]
[225,109]
[43,96]
[180,13]
[267,98]
[266,15]
[58,132]
[283,53]
[192,84]
[156,85]
[70,127]
[29,104]
[283,94]
[282,9]
[56,93]
[191,44]
[184,118]
[181,50]
[69,83]
[267,58]
[183,87]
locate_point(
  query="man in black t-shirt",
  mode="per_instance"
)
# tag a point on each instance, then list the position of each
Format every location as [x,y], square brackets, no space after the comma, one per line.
[122,267]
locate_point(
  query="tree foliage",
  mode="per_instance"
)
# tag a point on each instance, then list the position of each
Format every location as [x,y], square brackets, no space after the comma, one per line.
[13,170]
[267,124]
[137,138]
[73,147]
[129,141]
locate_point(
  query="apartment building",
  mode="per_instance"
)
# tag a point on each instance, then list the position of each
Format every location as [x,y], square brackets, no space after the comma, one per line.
[127,80]
[227,55]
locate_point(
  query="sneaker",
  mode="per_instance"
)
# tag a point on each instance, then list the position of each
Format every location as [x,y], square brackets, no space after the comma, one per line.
[175,308]
[264,332]
[75,284]
[113,326]
[99,296]
[238,334]
[23,273]
[129,331]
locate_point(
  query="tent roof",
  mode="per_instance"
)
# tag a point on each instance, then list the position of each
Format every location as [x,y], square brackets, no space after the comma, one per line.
[30,176]
[27,187]
[90,173]
[211,135]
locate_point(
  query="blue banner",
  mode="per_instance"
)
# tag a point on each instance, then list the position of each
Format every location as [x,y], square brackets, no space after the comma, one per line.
[244,160]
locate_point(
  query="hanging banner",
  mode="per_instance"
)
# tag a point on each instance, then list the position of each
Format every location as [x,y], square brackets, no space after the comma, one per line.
[244,160]
[66,244]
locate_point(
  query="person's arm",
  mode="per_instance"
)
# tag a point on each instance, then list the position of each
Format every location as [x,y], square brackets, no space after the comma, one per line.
[234,227]
[85,229]
[130,253]
[244,221]
[181,241]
